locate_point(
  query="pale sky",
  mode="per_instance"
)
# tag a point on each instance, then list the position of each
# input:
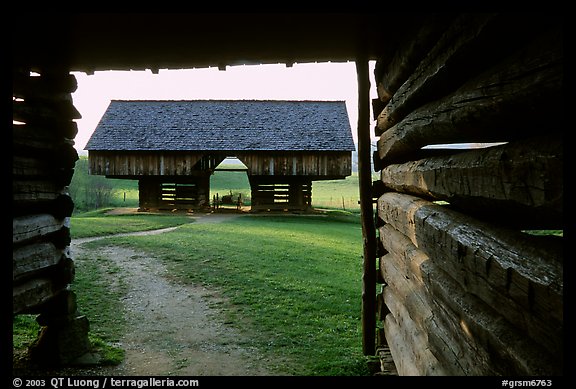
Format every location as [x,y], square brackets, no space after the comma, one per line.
[316,81]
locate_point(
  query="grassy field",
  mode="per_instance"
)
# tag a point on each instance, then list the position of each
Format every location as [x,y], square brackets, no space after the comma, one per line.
[102,222]
[91,280]
[293,281]
[297,279]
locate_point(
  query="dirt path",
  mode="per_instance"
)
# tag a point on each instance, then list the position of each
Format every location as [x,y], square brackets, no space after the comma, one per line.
[175,329]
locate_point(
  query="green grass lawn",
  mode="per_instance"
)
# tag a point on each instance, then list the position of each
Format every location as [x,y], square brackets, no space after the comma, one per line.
[293,281]
[99,222]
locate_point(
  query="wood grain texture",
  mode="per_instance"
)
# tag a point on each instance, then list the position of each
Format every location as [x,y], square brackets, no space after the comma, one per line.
[519,276]
[520,183]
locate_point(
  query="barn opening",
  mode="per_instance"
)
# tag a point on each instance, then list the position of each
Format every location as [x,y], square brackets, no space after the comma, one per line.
[228,186]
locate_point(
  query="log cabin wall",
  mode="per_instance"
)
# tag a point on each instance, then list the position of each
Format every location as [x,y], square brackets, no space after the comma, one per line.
[464,288]
[43,163]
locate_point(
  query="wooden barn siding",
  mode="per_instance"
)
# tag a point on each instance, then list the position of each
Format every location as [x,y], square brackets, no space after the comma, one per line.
[174,193]
[464,290]
[126,164]
[318,164]
[43,164]
[290,193]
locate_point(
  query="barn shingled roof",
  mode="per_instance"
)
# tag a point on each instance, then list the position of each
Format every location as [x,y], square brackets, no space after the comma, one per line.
[223,125]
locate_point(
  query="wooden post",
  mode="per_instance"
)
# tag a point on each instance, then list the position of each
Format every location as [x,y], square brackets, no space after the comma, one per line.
[366,210]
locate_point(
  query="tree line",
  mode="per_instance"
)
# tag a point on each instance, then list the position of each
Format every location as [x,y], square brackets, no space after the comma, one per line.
[90,192]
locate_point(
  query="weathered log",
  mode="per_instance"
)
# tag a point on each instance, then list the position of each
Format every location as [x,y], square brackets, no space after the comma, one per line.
[29,296]
[510,350]
[435,75]
[61,238]
[522,94]
[409,54]
[471,44]
[35,190]
[61,176]
[28,169]
[517,184]
[409,260]
[34,151]
[409,256]
[38,138]
[62,128]
[401,268]
[65,270]
[34,112]
[493,263]
[400,348]
[407,301]
[442,151]
[460,332]
[33,227]
[60,205]
[45,86]
[415,336]
[34,258]
[450,342]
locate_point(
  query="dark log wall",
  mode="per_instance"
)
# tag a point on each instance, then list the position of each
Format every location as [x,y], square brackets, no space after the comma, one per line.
[465,289]
[43,163]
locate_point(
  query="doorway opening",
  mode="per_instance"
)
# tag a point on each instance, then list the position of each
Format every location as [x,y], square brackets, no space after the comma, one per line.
[230,187]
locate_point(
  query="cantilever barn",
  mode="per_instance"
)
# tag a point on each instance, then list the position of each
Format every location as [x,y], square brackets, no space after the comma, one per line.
[173,147]
[463,260]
